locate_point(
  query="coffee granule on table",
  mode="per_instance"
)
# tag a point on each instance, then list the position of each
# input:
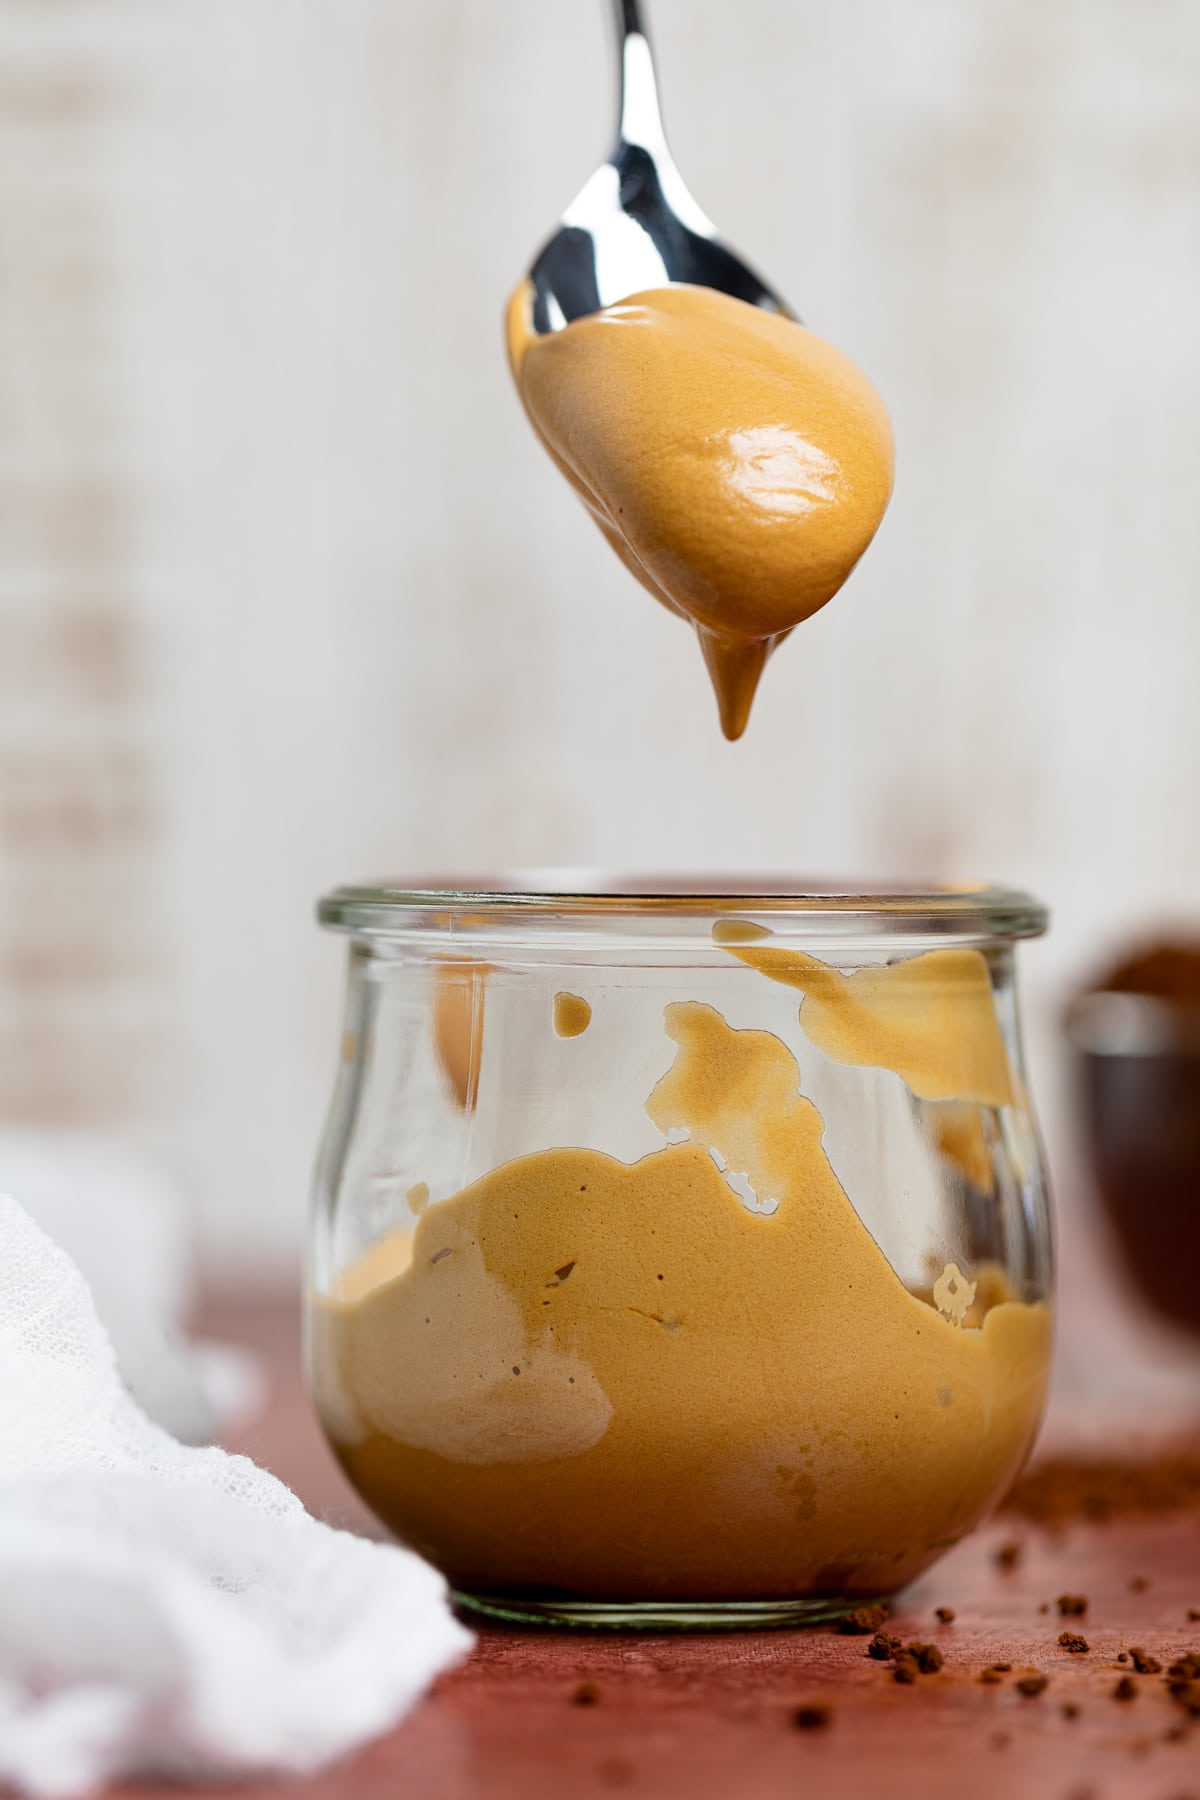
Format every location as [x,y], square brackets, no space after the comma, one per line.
[1122,1656]
[1072,1606]
[1071,1640]
[1032,1684]
[1187,1695]
[1183,1682]
[991,1677]
[1069,1709]
[910,1660]
[1008,1555]
[1138,1584]
[814,1715]
[1193,1613]
[945,1614]
[1145,1665]
[864,1620]
[587,1693]
[1126,1689]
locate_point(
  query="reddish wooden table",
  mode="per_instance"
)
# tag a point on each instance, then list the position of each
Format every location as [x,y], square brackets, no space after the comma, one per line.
[698,1718]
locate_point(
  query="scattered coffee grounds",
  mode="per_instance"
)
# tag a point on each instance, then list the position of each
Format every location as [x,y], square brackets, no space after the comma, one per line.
[945,1614]
[1122,1656]
[1072,1606]
[1008,1555]
[910,1660]
[1145,1665]
[1193,1613]
[992,1676]
[1044,1607]
[1031,1684]
[864,1620]
[587,1693]
[1126,1689]
[1187,1695]
[1176,1734]
[1071,1640]
[814,1715]
[1100,1488]
[1138,1584]
[1168,971]
[1183,1682]
[1070,1709]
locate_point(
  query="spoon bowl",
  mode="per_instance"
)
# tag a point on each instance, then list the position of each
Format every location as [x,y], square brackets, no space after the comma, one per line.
[634,225]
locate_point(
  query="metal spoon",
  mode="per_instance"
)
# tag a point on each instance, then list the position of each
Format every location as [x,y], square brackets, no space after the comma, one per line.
[633,224]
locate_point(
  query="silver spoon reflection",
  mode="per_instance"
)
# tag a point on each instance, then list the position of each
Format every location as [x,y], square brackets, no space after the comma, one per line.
[634,225]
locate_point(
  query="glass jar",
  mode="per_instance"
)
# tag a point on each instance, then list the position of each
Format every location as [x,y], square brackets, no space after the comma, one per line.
[680,1256]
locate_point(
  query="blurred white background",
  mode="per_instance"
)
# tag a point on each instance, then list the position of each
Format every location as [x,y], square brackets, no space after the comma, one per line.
[289,596]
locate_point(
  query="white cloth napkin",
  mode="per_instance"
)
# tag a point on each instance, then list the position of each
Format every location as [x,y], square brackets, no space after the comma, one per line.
[120,1220]
[169,1610]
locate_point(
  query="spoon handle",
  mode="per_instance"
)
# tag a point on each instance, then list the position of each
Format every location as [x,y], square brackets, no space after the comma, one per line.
[639,118]
[629,18]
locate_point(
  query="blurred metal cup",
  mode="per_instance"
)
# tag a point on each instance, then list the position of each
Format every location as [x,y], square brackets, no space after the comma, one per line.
[1138,1062]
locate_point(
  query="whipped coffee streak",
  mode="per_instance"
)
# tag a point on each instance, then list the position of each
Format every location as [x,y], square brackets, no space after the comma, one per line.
[622,1380]
[737,463]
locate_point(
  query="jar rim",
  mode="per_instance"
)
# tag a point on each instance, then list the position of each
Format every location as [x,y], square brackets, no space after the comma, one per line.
[974,908]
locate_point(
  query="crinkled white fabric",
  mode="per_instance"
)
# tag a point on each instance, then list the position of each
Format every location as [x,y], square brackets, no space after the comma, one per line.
[120,1220]
[170,1610]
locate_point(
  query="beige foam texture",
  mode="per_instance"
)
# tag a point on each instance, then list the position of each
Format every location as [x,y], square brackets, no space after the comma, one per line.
[931,1019]
[619,1381]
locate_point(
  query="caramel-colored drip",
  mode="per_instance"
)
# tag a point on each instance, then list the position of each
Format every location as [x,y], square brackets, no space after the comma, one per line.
[931,1019]
[958,1135]
[737,463]
[572,1015]
[460,994]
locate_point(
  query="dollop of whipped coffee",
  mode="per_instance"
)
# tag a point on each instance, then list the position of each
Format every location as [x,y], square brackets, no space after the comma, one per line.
[737,463]
[622,1380]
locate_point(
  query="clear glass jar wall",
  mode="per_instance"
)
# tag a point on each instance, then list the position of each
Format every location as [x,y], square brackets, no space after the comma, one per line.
[679,1258]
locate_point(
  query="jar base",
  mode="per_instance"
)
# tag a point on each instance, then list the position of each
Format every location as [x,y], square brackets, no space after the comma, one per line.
[662,1615]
